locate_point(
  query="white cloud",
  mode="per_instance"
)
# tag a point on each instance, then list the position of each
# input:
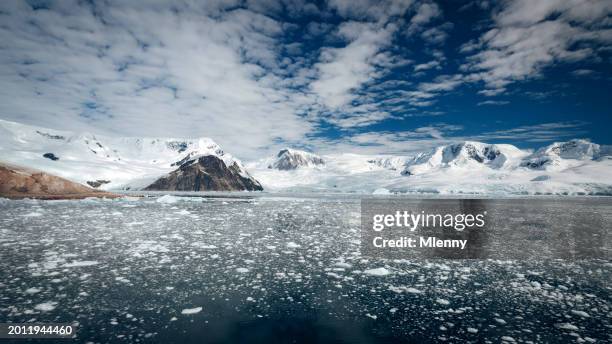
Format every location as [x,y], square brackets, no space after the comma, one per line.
[242,73]
[370,9]
[428,137]
[531,35]
[150,71]
[437,35]
[425,66]
[342,71]
[426,12]
[583,72]
[387,142]
[493,102]
[542,132]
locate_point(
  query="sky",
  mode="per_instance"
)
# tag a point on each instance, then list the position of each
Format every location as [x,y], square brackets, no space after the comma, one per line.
[360,76]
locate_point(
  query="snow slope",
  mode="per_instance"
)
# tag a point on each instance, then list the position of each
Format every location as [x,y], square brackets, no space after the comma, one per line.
[563,155]
[291,159]
[126,162]
[463,168]
[466,155]
[573,167]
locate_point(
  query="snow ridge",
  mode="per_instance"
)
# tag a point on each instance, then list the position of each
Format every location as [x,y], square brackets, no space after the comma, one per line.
[291,159]
[126,162]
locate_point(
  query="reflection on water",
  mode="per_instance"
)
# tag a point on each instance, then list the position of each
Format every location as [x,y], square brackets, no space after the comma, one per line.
[270,269]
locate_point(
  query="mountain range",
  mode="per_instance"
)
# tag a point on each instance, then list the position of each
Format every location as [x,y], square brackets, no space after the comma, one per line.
[115,163]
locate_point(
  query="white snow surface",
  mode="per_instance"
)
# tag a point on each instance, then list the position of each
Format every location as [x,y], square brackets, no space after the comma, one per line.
[574,167]
[291,159]
[463,168]
[127,162]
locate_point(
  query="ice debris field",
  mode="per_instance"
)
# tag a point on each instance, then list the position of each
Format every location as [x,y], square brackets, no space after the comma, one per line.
[174,269]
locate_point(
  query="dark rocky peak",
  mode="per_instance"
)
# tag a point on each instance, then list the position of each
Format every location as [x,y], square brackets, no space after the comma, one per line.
[206,173]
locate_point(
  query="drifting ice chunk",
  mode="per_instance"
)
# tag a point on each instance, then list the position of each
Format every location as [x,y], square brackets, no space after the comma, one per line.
[377,272]
[167,199]
[443,302]
[188,311]
[46,306]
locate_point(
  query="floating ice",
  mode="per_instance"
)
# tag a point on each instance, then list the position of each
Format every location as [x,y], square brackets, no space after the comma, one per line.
[46,306]
[32,290]
[377,272]
[444,302]
[567,326]
[580,313]
[167,199]
[381,191]
[75,264]
[188,311]
[32,214]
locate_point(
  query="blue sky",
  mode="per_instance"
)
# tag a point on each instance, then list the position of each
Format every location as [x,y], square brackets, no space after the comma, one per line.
[335,76]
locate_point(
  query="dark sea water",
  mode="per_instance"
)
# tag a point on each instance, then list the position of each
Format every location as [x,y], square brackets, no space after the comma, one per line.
[276,269]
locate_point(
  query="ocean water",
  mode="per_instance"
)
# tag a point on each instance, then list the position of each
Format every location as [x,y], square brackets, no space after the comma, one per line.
[218,269]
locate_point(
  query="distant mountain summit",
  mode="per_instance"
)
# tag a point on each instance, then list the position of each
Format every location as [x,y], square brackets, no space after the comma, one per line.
[465,155]
[561,155]
[575,167]
[207,173]
[291,159]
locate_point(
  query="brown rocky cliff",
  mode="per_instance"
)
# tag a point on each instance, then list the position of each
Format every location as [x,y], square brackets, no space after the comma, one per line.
[19,182]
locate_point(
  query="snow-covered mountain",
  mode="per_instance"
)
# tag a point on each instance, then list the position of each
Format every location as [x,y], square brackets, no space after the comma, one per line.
[103,161]
[562,155]
[394,163]
[462,168]
[206,173]
[291,159]
[465,155]
[114,163]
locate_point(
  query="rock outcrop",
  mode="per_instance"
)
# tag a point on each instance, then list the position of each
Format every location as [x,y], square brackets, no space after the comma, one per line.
[206,173]
[18,182]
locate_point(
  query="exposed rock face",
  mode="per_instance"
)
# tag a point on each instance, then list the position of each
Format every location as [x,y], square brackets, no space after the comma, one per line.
[97,183]
[50,156]
[553,156]
[392,163]
[206,173]
[468,154]
[19,182]
[291,159]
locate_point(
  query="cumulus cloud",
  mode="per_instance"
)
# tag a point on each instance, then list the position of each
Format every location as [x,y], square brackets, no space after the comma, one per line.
[375,10]
[253,75]
[428,65]
[148,71]
[426,12]
[529,36]
[342,70]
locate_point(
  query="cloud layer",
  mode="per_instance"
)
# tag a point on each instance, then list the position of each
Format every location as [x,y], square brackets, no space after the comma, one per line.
[256,75]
